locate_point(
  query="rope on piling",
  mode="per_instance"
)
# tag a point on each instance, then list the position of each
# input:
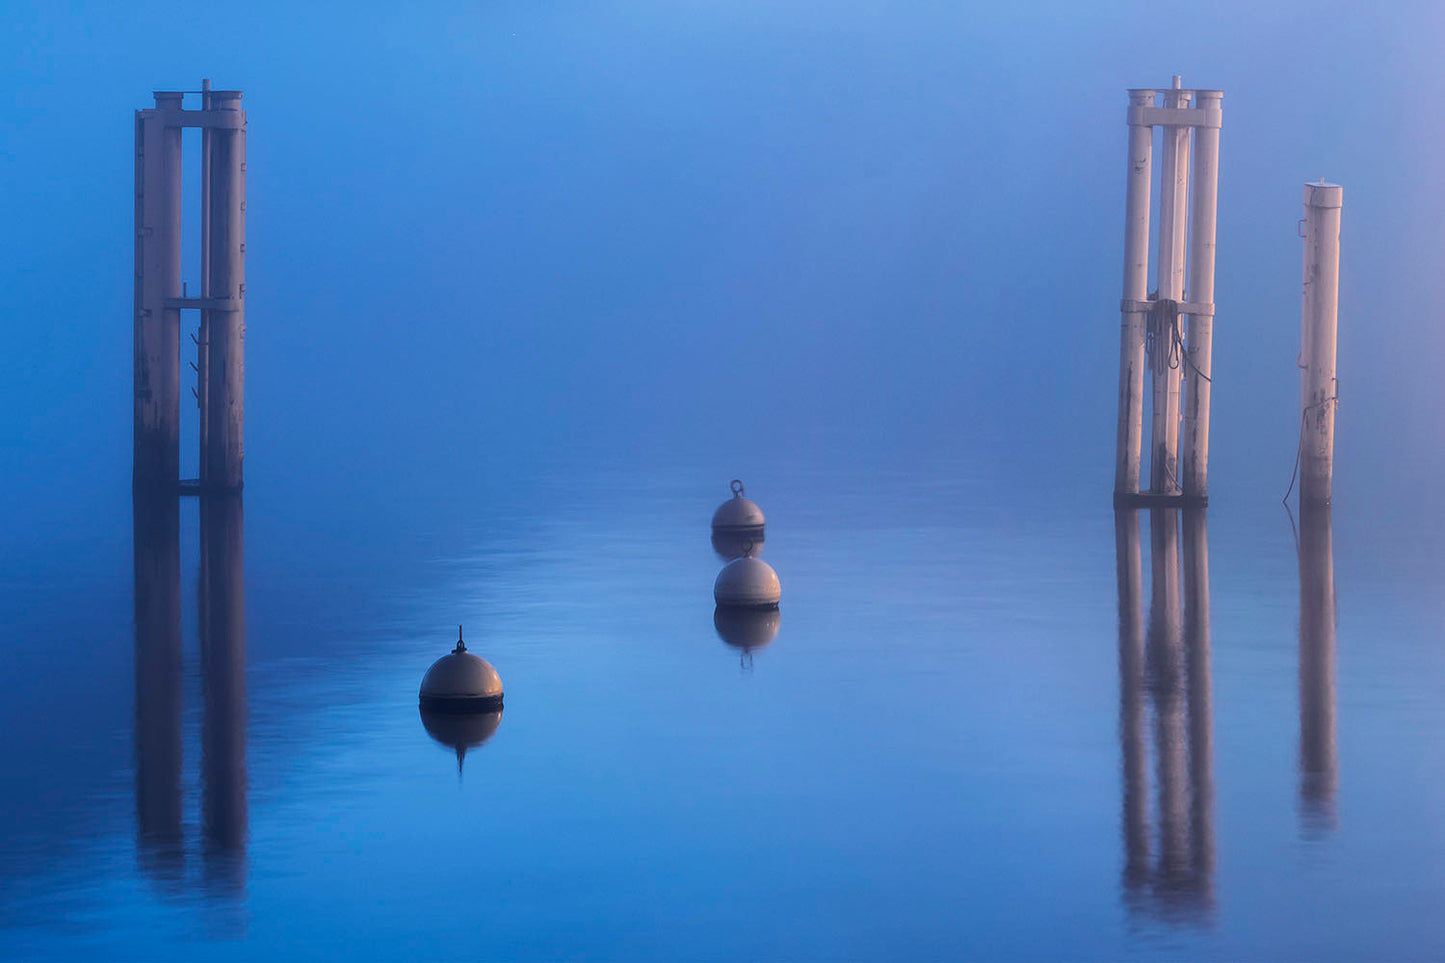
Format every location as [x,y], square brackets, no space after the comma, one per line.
[1333,399]
[1162,327]
[1161,342]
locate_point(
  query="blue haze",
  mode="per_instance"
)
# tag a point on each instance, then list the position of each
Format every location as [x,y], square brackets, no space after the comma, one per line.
[527,283]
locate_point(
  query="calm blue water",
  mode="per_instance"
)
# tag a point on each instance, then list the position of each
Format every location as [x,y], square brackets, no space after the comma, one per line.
[932,760]
[527,284]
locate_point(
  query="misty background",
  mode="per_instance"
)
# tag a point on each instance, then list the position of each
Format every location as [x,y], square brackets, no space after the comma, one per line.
[479,234]
[527,283]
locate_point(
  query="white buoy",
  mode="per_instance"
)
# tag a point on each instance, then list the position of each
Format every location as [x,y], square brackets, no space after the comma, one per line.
[461,682]
[747,583]
[738,515]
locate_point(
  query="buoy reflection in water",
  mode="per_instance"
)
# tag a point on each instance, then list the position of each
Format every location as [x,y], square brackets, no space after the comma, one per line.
[747,630]
[731,545]
[460,732]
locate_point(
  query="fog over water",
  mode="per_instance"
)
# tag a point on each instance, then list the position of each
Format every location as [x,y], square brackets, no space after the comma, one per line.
[528,283]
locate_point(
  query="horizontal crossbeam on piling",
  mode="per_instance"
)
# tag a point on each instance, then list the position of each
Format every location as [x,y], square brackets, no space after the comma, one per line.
[209,119]
[1141,116]
[1158,500]
[205,304]
[1185,307]
[197,486]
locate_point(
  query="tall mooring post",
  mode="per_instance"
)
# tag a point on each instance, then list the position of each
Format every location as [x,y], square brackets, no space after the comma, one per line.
[160,296]
[1319,395]
[1169,332]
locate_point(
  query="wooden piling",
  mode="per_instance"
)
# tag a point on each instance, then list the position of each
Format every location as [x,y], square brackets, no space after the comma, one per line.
[157,344]
[226,334]
[1173,216]
[203,332]
[1319,396]
[1199,345]
[1135,291]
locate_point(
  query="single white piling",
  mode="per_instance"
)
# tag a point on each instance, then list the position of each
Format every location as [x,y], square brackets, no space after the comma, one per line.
[1200,347]
[1317,355]
[157,386]
[203,332]
[1136,290]
[1173,216]
[226,279]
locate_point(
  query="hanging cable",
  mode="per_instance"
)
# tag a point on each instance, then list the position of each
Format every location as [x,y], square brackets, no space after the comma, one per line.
[1162,343]
[1300,446]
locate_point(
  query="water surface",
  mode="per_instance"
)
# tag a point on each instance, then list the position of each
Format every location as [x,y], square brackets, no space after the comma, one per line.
[960,742]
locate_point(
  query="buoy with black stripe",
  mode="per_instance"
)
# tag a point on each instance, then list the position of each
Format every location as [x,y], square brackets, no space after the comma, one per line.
[738,515]
[461,682]
[737,526]
[747,583]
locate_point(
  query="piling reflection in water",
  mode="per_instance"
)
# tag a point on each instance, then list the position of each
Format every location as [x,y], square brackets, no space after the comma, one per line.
[158,672]
[1201,695]
[1319,769]
[1166,659]
[157,561]
[223,680]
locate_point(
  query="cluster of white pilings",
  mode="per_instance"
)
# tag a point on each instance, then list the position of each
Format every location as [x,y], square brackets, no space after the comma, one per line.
[1182,306]
[160,297]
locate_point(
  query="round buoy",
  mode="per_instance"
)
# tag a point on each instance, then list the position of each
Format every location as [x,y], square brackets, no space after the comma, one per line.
[738,515]
[461,682]
[746,629]
[747,583]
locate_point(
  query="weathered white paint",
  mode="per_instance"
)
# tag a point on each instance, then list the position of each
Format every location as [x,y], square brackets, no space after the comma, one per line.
[157,377]
[226,330]
[1317,355]
[1173,216]
[203,334]
[1136,288]
[1200,337]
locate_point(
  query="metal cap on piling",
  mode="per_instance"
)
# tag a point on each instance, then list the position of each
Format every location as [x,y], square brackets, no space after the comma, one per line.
[1324,194]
